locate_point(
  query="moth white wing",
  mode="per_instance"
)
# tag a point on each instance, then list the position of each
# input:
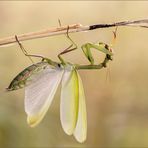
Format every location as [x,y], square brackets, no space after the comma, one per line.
[39,94]
[69,101]
[80,132]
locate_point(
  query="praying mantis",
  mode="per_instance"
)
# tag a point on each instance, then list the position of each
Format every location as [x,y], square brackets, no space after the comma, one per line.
[42,79]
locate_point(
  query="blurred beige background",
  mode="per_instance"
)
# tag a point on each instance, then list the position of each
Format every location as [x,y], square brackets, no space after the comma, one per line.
[117,108]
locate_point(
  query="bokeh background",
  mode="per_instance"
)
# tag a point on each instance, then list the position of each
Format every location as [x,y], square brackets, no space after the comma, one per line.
[117,107]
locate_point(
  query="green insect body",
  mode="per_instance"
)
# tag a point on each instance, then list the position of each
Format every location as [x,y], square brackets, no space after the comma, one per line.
[22,79]
[43,79]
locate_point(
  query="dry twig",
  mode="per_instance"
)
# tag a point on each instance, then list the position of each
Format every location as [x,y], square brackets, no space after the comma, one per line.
[72,28]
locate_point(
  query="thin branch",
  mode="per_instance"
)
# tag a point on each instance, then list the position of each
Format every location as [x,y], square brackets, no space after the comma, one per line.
[72,28]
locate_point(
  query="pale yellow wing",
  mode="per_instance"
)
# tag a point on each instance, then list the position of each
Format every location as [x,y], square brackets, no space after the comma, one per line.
[69,100]
[80,132]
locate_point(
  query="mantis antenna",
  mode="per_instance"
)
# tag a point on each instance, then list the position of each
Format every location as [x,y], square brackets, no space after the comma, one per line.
[108,74]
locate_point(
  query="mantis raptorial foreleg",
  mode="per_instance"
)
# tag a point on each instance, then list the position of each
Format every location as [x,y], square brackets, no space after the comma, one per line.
[99,46]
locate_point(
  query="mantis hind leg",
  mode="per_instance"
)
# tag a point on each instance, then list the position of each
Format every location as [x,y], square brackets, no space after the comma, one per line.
[30,55]
[23,49]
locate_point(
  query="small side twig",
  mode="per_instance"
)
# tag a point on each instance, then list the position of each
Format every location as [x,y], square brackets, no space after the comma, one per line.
[72,28]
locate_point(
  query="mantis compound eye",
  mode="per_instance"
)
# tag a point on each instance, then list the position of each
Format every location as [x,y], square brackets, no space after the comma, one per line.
[109,57]
[107,47]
